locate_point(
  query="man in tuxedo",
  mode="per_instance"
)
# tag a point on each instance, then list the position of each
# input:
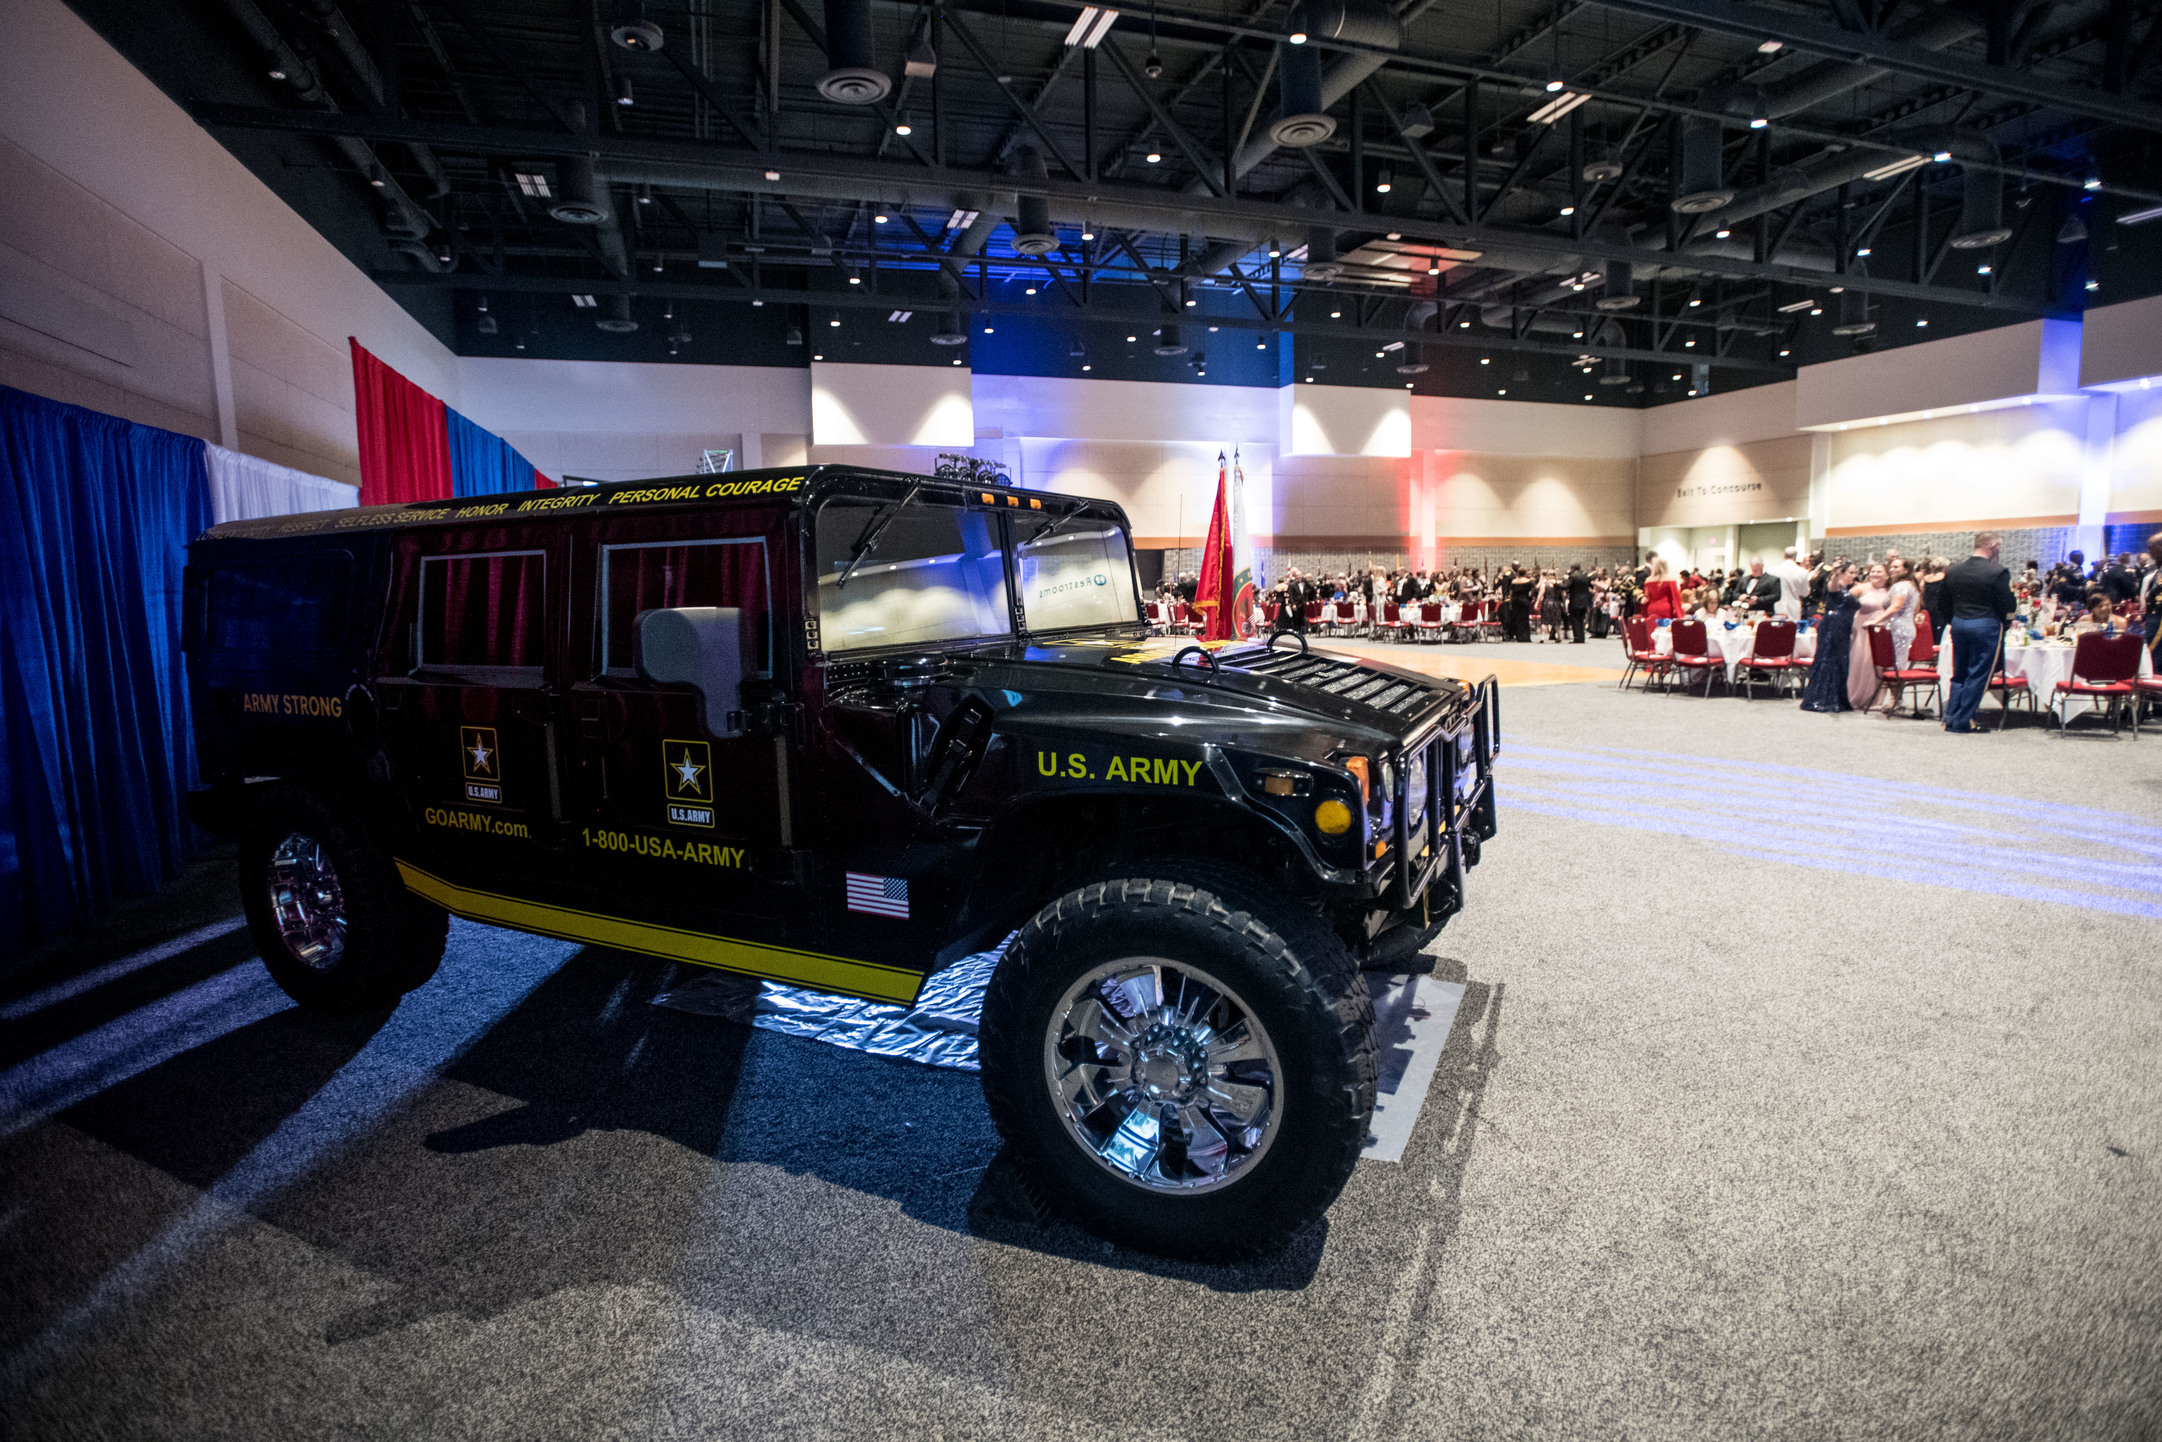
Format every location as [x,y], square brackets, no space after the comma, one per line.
[1979,591]
[1578,594]
[1762,592]
[1298,592]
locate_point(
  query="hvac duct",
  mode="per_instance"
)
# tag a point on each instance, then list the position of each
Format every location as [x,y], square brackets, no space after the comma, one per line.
[1700,178]
[1618,287]
[1032,232]
[853,80]
[1981,206]
[581,195]
[1854,318]
[1168,342]
[402,215]
[1941,28]
[1307,91]
[361,64]
[1321,262]
[616,316]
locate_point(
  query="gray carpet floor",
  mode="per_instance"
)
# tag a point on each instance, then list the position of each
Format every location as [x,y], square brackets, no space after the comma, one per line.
[1805,1086]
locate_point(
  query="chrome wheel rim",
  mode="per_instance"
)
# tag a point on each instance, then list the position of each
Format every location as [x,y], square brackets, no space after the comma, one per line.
[306,903]
[1163,1075]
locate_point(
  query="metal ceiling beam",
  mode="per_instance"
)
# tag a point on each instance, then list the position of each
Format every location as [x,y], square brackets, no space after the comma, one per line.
[1182,212]
[1757,22]
[1106,313]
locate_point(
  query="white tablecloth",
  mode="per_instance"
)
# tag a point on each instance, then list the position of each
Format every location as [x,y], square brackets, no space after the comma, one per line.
[2044,665]
[1732,647]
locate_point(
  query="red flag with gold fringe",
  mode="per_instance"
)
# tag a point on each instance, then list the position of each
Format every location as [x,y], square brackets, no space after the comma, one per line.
[1218,585]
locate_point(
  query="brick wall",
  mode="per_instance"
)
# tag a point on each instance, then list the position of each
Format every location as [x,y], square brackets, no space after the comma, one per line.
[2046,544]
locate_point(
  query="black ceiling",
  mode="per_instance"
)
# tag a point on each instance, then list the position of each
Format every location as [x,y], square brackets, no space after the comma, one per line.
[735,208]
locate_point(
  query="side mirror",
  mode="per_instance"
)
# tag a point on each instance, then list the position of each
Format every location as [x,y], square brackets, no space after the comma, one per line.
[701,647]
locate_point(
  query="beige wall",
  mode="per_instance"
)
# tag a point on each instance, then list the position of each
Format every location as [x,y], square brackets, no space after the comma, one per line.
[1167,488]
[2136,465]
[2017,467]
[1725,485]
[146,273]
[1479,498]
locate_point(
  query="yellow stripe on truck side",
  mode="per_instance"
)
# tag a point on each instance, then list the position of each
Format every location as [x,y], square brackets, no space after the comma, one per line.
[776,963]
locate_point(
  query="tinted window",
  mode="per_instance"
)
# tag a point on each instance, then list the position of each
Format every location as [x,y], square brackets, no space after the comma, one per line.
[283,607]
[933,573]
[678,573]
[1074,573]
[483,610]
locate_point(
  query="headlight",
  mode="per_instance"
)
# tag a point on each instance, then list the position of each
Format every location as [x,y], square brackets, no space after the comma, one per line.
[1415,786]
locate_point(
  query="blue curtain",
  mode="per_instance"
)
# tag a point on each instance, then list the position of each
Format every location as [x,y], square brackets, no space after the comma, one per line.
[481,462]
[95,746]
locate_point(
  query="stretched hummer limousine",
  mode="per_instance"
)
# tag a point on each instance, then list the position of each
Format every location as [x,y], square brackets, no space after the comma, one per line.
[841,728]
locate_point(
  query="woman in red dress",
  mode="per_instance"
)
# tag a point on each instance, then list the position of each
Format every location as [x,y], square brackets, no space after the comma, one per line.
[1662,598]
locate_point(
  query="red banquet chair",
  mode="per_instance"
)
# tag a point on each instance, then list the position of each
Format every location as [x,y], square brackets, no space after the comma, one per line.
[1428,621]
[1642,655]
[1269,610]
[1313,614]
[1392,619]
[1924,650]
[1884,655]
[1490,618]
[1690,648]
[1347,617]
[1771,655]
[1181,616]
[2102,666]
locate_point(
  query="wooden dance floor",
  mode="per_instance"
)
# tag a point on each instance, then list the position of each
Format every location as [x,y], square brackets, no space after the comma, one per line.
[1477,662]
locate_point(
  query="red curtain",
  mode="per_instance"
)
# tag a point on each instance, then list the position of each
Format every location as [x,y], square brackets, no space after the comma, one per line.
[646,578]
[483,610]
[404,438]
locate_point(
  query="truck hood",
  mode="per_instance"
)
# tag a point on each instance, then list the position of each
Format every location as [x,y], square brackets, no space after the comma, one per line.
[1254,698]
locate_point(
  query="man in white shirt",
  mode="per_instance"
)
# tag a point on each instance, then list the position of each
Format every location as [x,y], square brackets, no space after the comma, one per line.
[1793,585]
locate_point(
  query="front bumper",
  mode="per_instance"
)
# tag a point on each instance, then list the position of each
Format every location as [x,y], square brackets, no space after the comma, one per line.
[1436,841]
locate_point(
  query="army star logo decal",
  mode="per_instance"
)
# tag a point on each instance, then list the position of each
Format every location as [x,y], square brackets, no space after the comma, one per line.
[687,768]
[483,763]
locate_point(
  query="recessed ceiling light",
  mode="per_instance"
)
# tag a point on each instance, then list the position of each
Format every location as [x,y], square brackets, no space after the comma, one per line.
[1552,86]
[1568,210]
[1336,315]
[1923,321]
[1030,291]
[1484,361]
[1696,302]
[878,220]
[1155,157]
[904,128]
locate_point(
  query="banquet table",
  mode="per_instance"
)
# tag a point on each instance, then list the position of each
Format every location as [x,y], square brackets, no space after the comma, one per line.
[1732,646]
[2044,664]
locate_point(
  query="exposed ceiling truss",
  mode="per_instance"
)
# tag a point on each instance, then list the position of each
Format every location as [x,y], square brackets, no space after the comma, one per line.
[1628,181]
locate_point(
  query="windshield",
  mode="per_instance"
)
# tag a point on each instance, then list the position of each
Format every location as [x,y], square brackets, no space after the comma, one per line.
[1075,572]
[932,573]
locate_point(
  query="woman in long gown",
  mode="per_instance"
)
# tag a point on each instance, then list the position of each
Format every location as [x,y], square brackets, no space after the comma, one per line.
[1872,605]
[1827,688]
[1905,613]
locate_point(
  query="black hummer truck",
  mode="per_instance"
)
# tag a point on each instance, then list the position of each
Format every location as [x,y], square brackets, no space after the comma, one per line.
[841,728]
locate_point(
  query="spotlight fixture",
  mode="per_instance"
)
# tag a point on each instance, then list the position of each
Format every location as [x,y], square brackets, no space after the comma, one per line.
[1261,345]
[1942,157]
[854,277]
[1771,47]
[1864,251]
[1155,157]
[1981,270]
[623,91]
[1296,37]
[1088,231]
[1336,315]
[2094,182]
[878,220]
[1568,210]
[2094,285]
[1816,310]
[1925,321]
[1759,123]
[1153,68]
[277,74]
[836,321]
[1276,252]
[1031,290]
[902,127]
[1721,234]
[1382,181]
[1552,86]
[988,331]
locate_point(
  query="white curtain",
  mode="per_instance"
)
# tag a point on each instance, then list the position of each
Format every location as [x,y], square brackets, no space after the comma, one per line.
[243,488]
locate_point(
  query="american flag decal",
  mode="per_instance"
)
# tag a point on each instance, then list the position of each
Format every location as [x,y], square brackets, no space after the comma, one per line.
[878,895]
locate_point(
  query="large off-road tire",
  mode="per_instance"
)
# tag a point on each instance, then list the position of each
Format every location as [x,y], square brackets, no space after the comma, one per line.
[330,918]
[1181,1065]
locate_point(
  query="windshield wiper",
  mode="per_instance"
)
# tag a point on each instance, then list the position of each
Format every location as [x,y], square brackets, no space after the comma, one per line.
[1073,515]
[873,531]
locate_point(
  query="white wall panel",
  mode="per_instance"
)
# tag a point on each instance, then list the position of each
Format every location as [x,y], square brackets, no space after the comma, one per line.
[2035,358]
[1498,427]
[1109,410]
[873,405]
[1760,413]
[2022,465]
[1343,421]
[2122,343]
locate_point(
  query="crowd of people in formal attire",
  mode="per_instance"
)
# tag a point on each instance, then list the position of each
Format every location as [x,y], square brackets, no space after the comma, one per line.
[1968,603]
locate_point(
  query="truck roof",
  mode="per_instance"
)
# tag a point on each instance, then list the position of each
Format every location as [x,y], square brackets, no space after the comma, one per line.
[790,486]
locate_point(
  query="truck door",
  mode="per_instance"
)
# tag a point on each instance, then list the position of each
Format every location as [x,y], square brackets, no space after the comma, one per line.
[662,808]
[467,700]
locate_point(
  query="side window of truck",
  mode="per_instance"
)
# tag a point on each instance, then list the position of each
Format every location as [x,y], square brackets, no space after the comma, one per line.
[484,613]
[663,575]
[296,606]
